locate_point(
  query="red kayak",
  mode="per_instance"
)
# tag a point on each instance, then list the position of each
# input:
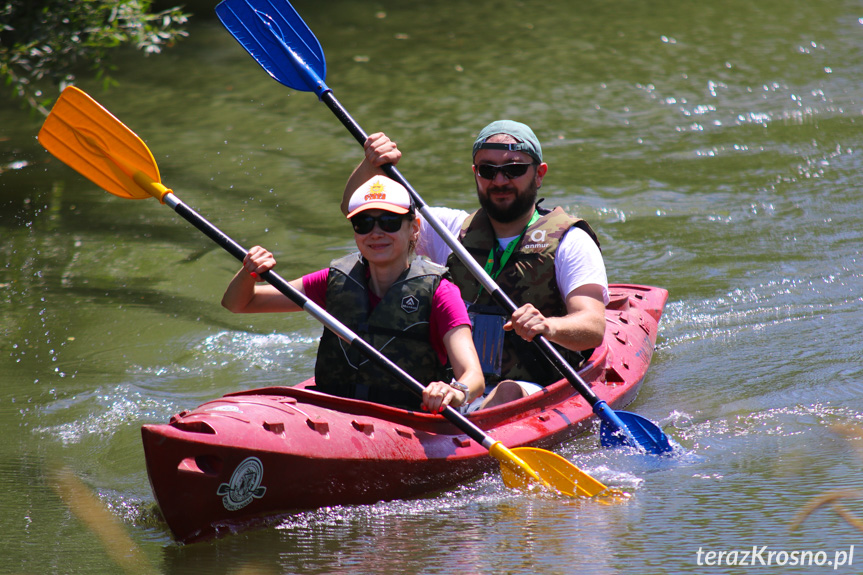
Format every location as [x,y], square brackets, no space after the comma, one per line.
[246,458]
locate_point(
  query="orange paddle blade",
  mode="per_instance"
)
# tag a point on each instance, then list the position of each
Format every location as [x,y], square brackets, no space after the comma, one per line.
[87,137]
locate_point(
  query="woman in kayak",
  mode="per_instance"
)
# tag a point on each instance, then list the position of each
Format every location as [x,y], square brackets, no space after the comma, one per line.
[402,305]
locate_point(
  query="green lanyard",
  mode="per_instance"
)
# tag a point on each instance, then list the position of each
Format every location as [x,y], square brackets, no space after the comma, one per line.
[510,247]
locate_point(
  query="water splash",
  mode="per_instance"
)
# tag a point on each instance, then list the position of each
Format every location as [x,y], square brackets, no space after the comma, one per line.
[109,411]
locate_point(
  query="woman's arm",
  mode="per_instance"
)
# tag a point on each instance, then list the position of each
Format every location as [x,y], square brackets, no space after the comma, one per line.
[245,294]
[466,369]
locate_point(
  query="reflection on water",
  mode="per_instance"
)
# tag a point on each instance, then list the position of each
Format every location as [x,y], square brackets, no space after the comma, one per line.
[715,149]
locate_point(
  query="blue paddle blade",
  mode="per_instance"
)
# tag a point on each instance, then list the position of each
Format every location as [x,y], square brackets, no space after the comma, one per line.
[279,40]
[644,432]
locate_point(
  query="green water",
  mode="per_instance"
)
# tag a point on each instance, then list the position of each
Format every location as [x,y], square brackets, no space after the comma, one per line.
[715,147]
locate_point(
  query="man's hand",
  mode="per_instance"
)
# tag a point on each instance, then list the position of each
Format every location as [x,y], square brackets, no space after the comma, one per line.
[583,327]
[379,150]
[528,322]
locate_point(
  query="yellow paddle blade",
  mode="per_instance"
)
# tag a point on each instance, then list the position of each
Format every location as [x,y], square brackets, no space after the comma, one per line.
[516,473]
[523,467]
[559,473]
[87,137]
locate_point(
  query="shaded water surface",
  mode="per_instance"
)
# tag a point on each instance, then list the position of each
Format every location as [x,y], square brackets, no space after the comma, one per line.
[715,148]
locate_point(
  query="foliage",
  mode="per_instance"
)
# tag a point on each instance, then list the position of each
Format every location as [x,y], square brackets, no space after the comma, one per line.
[46,41]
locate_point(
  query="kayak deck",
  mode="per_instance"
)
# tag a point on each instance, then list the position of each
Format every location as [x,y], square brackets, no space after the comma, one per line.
[247,457]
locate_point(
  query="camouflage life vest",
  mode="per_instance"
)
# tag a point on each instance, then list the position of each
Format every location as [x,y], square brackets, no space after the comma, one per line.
[398,327]
[527,277]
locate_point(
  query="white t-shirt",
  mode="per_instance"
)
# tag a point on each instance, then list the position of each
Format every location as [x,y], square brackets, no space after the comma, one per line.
[577,262]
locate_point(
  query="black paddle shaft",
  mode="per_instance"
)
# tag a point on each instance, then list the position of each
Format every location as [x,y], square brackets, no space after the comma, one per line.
[548,350]
[325,318]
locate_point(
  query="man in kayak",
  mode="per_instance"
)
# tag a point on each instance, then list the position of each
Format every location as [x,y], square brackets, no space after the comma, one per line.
[546,258]
[402,305]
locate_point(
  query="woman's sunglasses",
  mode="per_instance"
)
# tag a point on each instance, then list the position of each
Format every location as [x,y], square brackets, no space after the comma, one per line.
[511,171]
[387,222]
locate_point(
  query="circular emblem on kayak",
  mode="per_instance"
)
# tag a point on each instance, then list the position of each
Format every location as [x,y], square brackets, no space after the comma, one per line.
[410,304]
[245,485]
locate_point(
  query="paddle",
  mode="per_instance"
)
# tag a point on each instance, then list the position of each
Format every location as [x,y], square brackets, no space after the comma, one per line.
[86,137]
[281,42]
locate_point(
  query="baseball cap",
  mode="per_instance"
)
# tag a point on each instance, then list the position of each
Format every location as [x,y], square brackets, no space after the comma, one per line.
[380,193]
[527,141]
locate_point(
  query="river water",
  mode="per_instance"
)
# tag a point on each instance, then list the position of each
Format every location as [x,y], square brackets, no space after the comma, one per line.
[716,148]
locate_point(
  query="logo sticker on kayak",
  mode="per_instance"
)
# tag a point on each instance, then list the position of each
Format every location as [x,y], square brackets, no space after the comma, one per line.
[245,485]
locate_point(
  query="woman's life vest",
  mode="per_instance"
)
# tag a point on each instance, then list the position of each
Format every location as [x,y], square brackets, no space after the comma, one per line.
[398,327]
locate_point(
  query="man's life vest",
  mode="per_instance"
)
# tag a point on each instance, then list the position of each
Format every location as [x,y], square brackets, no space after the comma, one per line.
[398,327]
[527,277]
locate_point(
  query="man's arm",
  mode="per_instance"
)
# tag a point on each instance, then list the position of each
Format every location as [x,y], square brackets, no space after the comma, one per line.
[379,150]
[583,326]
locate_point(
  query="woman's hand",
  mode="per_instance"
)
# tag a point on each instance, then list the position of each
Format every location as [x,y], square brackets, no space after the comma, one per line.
[244,295]
[258,261]
[437,395]
[465,363]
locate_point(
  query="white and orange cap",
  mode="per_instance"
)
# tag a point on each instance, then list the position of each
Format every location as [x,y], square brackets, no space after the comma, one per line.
[380,193]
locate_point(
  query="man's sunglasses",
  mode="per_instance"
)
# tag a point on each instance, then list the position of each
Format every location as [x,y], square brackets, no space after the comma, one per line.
[511,171]
[387,222]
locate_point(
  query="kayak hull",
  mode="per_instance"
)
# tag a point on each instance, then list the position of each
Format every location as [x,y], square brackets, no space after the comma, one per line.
[249,457]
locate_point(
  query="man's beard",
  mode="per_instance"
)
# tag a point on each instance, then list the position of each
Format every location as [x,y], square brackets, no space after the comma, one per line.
[524,201]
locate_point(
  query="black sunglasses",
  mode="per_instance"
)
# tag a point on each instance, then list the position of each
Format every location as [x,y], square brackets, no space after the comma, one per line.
[387,222]
[511,171]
